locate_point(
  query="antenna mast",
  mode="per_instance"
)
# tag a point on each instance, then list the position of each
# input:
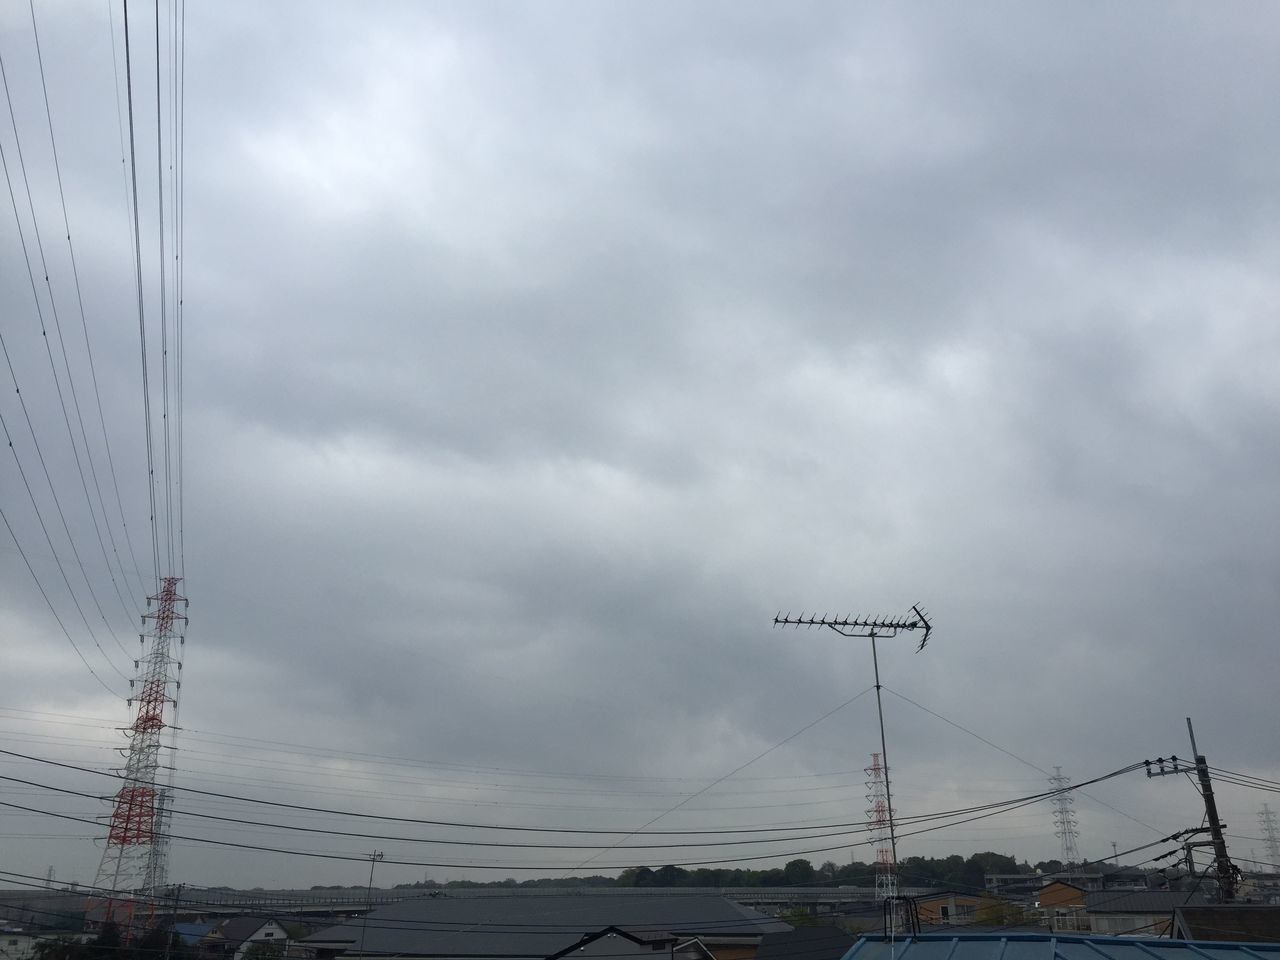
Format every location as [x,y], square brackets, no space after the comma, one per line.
[871,628]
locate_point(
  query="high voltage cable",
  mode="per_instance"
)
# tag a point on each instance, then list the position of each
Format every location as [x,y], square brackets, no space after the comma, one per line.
[274,746]
[62,626]
[142,326]
[719,780]
[489,865]
[75,272]
[48,538]
[908,820]
[53,368]
[1021,760]
[448,842]
[1247,776]
[478,843]
[93,372]
[164,316]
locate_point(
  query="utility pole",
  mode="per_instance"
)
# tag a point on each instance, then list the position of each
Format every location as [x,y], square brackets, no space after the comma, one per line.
[871,628]
[1227,872]
[173,921]
[364,923]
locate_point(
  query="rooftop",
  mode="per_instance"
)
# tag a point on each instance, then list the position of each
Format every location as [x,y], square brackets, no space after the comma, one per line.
[519,926]
[1044,947]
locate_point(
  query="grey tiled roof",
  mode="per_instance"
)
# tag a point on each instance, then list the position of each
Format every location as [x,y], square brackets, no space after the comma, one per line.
[520,926]
[1032,947]
[237,929]
[806,943]
[1250,923]
[1140,901]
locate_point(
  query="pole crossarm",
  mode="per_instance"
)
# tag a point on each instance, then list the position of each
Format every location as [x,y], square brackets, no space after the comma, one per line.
[869,627]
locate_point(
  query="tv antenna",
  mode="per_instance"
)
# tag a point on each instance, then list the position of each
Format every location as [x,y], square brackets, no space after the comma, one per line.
[873,629]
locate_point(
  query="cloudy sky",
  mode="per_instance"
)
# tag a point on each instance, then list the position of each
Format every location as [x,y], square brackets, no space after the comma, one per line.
[536,355]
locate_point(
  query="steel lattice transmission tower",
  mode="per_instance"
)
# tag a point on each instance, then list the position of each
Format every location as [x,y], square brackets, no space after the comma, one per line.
[1267,821]
[1065,826]
[878,826]
[135,860]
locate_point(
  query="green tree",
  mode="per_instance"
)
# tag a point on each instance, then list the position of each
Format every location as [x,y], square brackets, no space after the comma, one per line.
[798,872]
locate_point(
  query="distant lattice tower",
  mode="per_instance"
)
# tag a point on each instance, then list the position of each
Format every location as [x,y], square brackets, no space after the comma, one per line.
[1267,821]
[135,860]
[878,825]
[1065,826]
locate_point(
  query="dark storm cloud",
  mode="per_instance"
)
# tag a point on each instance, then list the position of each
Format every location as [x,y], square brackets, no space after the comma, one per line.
[537,355]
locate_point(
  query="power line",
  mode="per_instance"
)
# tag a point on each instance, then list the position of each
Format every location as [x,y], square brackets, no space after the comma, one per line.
[52,365]
[982,809]
[737,769]
[44,529]
[1022,760]
[142,326]
[93,372]
[62,626]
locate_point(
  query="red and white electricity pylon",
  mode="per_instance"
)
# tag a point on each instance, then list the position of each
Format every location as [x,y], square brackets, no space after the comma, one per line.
[134,864]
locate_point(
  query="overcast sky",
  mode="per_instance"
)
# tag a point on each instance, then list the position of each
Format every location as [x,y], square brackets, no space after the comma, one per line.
[536,355]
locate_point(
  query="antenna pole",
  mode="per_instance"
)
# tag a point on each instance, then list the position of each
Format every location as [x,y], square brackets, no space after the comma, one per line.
[884,752]
[871,628]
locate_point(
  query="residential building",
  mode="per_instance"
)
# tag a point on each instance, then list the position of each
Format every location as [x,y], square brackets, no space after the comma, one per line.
[16,944]
[1047,947]
[1236,922]
[518,926]
[232,938]
[1147,913]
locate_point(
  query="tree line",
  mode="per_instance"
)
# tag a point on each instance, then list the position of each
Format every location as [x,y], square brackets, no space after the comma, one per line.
[954,871]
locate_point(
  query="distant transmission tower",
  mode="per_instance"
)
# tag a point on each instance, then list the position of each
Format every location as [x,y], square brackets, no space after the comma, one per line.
[1065,826]
[135,860]
[1267,820]
[878,825]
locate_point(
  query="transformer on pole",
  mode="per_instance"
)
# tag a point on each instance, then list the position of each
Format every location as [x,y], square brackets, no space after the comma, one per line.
[134,864]
[871,628]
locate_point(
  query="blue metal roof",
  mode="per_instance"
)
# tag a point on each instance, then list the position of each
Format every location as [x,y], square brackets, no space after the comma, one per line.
[1046,947]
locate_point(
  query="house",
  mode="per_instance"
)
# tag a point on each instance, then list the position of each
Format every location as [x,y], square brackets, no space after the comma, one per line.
[463,927]
[1241,923]
[1147,913]
[1049,947]
[1062,906]
[16,944]
[806,943]
[949,908]
[190,933]
[232,938]
[1118,878]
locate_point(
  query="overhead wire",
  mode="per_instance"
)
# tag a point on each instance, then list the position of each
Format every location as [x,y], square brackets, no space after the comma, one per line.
[141,300]
[906,820]
[1021,760]
[93,371]
[53,367]
[735,770]
[53,610]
